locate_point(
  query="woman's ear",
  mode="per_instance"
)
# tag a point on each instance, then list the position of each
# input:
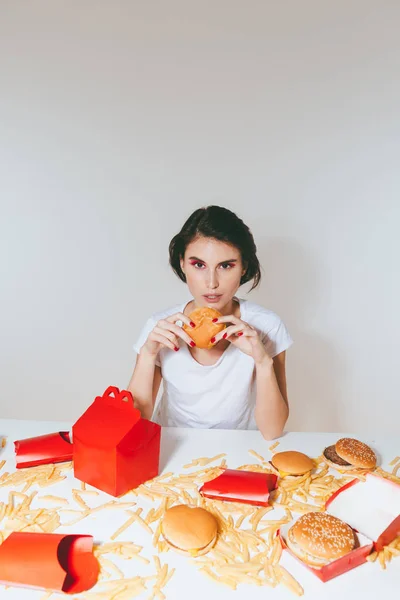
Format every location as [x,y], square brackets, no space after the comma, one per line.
[181,263]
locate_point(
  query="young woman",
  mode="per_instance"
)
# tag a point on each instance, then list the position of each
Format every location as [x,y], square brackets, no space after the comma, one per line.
[240,383]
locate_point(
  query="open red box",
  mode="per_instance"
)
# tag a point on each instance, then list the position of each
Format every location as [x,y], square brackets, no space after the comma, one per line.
[372,509]
[61,563]
[115,450]
[43,449]
[235,485]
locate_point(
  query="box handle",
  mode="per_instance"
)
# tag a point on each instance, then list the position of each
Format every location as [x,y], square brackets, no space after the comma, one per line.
[113,393]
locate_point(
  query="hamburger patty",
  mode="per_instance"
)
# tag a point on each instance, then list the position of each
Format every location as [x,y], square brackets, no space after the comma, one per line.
[331,454]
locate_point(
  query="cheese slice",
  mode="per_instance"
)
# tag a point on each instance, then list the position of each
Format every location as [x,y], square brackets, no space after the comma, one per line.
[283,473]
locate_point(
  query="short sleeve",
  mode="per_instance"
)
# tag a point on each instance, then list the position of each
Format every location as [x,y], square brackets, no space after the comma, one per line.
[277,340]
[143,335]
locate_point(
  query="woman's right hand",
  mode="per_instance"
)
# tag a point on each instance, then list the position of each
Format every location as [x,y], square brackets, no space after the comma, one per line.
[166,333]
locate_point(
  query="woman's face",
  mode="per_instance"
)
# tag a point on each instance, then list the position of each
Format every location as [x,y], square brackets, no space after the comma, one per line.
[213,271]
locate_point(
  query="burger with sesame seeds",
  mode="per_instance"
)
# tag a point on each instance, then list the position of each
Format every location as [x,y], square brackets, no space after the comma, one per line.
[349,453]
[318,538]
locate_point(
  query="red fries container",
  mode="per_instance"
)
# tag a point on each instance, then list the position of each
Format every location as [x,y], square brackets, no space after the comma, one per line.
[372,509]
[43,449]
[235,485]
[62,563]
[115,450]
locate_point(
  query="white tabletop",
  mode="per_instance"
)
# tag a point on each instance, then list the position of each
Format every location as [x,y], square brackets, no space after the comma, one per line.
[179,447]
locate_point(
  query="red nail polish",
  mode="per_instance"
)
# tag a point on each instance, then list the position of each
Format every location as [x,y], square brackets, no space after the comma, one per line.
[176,349]
[213,340]
[192,344]
[214,320]
[224,336]
[240,333]
[192,324]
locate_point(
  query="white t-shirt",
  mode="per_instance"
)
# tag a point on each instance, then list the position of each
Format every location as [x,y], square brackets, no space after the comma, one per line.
[222,395]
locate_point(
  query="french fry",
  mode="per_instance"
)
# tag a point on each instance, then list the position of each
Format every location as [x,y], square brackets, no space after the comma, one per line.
[395,469]
[168,577]
[123,527]
[57,499]
[276,552]
[240,521]
[108,563]
[163,476]
[372,557]
[203,461]
[275,445]
[256,518]
[224,580]
[258,456]
[289,581]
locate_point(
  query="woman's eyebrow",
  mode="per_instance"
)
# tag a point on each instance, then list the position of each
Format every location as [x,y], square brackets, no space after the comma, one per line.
[229,260]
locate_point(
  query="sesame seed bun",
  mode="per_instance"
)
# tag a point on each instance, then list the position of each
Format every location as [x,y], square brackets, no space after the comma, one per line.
[319,538]
[292,462]
[189,531]
[356,453]
[205,329]
[331,457]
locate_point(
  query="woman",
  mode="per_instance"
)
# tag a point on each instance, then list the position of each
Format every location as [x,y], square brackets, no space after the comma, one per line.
[240,383]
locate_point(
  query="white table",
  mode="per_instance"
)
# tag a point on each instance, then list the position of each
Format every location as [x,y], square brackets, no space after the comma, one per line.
[179,447]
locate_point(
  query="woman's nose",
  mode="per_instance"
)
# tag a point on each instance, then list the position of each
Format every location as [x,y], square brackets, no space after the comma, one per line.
[212,280]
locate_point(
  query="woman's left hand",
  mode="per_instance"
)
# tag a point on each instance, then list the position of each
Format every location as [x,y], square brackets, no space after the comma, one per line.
[243,336]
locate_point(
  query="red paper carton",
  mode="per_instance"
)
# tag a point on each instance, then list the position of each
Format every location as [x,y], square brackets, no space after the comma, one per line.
[235,485]
[43,449]
[372,509]
[62,563]
[115,450]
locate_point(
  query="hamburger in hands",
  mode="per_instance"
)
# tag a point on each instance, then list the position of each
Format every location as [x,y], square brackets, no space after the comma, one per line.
[189,531]
[318,538]
[349,453]
[205,329]
[292,463]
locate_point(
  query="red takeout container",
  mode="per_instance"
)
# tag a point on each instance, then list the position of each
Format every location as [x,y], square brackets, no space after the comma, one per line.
[43,449]
[115,450]
[235,485]
[61,563]
[372,509]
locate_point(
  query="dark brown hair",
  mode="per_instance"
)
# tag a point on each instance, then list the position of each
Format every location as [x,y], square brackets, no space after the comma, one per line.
[220,224]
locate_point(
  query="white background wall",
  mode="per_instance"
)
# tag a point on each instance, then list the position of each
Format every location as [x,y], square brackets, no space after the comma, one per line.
[117,119]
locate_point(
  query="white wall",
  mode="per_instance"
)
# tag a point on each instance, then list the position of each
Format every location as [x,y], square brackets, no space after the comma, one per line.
[117,119]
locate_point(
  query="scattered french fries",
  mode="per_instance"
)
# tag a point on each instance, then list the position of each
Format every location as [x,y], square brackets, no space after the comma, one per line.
[248,549]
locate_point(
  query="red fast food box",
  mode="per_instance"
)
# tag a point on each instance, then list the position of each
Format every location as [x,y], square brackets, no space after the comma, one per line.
[61,563]
[115,450]
[235,485]
[43,449]
[372,509]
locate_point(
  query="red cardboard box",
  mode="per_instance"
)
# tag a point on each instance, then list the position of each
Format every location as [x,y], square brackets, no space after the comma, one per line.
[43,449]
[372,509]
[62,563]
[115,450]
[235,485]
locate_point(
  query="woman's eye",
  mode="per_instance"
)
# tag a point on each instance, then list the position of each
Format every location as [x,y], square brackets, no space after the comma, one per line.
[198,265]
[226,266]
